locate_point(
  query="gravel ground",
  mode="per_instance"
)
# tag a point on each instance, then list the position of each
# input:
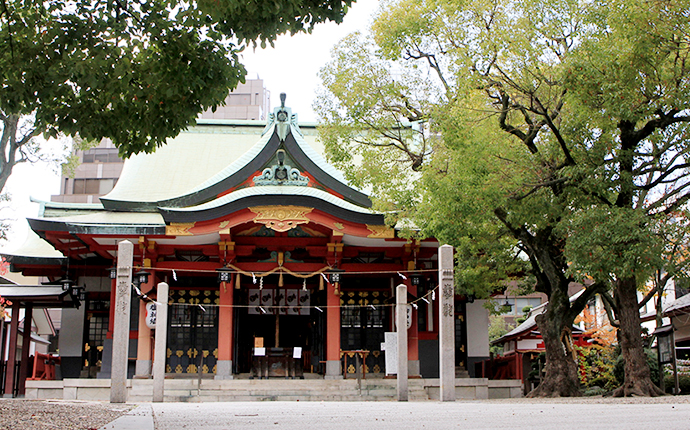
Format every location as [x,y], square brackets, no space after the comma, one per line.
[21,414]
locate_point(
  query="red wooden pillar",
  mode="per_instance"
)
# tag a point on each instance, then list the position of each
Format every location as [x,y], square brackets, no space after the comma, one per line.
[332,333]
[26,347]
[12,356]
[143,363]
[413,335]
[225,330]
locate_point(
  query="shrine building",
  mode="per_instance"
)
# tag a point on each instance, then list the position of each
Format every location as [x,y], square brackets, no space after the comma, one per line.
[264,245]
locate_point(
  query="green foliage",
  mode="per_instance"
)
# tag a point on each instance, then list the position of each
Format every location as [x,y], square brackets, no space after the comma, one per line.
[597,365]
[555,134]
[497,328]
[603,366]
[263,20]
[137,72]
[683,384]
[613,243]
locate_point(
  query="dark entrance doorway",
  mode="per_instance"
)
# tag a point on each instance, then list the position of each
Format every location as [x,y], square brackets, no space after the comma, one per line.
[266,314]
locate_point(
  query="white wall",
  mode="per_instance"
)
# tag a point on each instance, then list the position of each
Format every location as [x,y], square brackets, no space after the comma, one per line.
[71,333]
[477,329]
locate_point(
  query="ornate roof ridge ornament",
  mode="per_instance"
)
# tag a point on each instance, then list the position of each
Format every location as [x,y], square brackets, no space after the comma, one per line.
[281,174]
[283,118]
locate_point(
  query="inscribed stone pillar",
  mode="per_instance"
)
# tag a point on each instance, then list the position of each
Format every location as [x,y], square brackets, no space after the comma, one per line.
[401,327]
[26,346]
[446,329]
[123,295]
[160,342]
[143,365]
[333,333]
[225,331]
[12,353]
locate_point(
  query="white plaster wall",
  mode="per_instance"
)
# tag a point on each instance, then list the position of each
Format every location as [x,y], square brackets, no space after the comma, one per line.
[477,329]
[528,343]
[94,284]
[682,327]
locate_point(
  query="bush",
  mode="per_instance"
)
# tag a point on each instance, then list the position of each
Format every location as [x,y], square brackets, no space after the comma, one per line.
[596,368]
[683,383]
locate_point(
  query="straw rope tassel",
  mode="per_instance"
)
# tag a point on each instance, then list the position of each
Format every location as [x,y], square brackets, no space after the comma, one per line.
[237,281]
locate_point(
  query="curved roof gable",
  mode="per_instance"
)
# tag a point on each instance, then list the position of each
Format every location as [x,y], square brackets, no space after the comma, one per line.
[281,132]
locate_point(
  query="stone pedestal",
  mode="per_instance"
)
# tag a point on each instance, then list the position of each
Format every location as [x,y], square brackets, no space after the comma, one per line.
[224,370]
[333,370]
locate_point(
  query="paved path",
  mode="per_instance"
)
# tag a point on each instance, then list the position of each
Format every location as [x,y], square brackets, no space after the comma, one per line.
[576,414]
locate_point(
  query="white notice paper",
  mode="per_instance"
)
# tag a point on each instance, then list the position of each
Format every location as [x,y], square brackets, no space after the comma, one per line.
[259,352]
[391,353]
[297,352]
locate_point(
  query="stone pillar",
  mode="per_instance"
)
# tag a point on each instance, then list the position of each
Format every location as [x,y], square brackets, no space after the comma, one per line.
[123,295]
[143,364]
[160,342]
[26,347]
[12,353]
[401,328]
[333,333]
[225,331]
[446,322]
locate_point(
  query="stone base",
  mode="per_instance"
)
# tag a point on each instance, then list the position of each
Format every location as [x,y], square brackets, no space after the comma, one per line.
[333,370]
[142,369]
[224,370]
[413,369]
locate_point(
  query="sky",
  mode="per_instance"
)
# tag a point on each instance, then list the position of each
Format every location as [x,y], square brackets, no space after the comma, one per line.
[290,67]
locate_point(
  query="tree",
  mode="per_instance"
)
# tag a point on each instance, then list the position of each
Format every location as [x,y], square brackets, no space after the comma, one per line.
[563,140]
[493,195]
[135,71]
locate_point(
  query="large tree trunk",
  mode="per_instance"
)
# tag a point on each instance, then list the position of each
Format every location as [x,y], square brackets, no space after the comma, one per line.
[638,381]
[561,379]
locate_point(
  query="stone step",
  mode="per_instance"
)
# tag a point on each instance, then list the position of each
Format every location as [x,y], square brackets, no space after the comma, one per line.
[340,391]
[461,373]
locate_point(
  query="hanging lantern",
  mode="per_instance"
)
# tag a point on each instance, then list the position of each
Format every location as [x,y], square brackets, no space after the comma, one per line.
[141,277]
[223,275]
[66,284]
[335,275]
[416,279]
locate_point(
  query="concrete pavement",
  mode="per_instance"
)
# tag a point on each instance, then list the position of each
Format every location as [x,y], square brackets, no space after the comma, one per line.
[140,418]
[669,413]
